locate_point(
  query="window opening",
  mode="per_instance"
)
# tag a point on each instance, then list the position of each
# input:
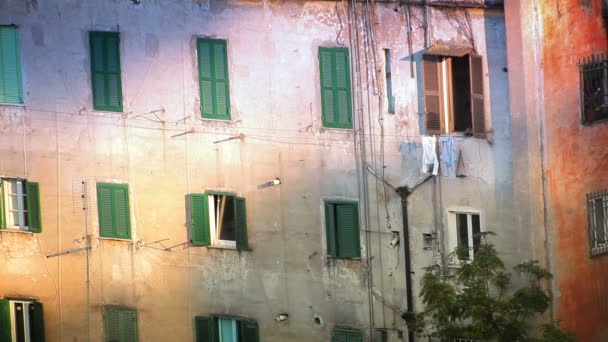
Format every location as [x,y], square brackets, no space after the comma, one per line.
[389,82]
[461,99]
[597,207]
[468,229]
[223,224]
[594,88]
[227,327]
[16,204]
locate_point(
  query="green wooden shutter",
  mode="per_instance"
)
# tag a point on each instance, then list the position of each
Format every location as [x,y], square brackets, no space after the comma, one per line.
[477,104]
[32,197]
[240,216]
[355,336]
[336,101]
[114,212]
[330,229]
[203,329]
[36,322]
[339,336]
[120,324]
[5,321]
[128,322]
[249,331]
[347,222]
[105,210]
[105,71]
[112,324]
[213,78]
[11,88]
[2,209]
[199,220]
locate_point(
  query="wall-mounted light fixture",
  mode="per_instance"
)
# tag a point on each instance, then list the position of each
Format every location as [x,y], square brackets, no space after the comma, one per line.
[281,317]
[273,182]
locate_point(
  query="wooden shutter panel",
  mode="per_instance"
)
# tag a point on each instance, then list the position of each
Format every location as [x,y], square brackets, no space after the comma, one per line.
[249,331]
[6,334]
[112,325]
[343,94]
[2,210]
[432,94]
[36,322]
[105,210]
[477,103]
[336,101]
[32,197]
[105,71]
[339,336]
[327,87]
[355,336]
[203,329]
[330,229]
[220,72]
[120,204]
[240,216]
[128,322]
[347,221]
[11,89]
[199,220]
[213,78]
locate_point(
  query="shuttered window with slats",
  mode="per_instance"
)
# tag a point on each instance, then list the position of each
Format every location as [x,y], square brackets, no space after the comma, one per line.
[11,88]
[105,71]
[120,324]
[213,78]
[346,335]
[342,229]
[20,205]
[336,102]
[113,209]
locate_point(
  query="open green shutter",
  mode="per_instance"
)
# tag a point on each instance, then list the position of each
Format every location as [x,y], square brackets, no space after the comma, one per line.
[105,71]
[32,197]
[204,329]
[128,324]
[336,101]
[36,322]
[248,331]
[120,202]
[199,220]
[347,221]
[5,321]
[105,210]
[240,215]
[330,229]
[11,88]
[2,210]
[213,78]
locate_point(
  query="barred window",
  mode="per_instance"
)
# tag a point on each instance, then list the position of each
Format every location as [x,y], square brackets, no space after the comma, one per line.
[594,88]
[597,211]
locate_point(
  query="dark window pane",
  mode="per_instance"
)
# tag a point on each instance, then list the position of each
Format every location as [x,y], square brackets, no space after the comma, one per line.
[225,225]
[599,224]
[462,230]
[476,232]
[461,84]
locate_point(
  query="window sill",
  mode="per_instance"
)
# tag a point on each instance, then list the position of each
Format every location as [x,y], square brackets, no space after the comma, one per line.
[18,231]
[8,104]
[340,258]
[323,128]
[106,111]
[114,239]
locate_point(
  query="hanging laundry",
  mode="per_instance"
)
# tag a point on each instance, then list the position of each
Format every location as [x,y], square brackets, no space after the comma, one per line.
[448,156]
[429,154]
[460,167]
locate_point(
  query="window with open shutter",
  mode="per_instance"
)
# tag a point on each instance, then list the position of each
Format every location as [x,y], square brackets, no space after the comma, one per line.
[120,324]
[432,94]
[5,321]
[105,71]
[477,103]
[11,88]
[240,218]
[33,207]
[342,229]
[336,101]
[199,220]
[113,209]
[213,78]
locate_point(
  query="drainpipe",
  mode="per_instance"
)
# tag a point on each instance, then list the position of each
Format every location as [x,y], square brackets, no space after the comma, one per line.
[408,316]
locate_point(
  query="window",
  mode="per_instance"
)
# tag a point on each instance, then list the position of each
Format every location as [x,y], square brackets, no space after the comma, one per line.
[225,329]
[105,71]
[389,81]
[113,208]
[20,205]
[464,230]
[336,100]
[11,89]
[120,324]
[346,335]
[453,94]
[213,78]
[597,211]
[21,320]
[594,88]
[342,229]
[218,219]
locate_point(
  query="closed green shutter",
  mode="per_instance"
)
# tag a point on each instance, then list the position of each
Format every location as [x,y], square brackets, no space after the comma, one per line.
[2,210]
[199,220]
[11,89]
[249,331]
[128,320]
[114,212]
[339,336]
[5,321]
[112,324]
[345,335]
[120,324]
[355,336]
[240,218]
[213,78]
[105,71]
[36,322]
[32,197]
[330,228]
[347,222]
[336,102]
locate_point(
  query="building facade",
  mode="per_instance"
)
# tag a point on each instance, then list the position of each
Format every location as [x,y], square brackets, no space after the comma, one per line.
[171,172]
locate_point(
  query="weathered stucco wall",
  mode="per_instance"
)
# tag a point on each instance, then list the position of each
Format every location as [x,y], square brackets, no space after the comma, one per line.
[59,141]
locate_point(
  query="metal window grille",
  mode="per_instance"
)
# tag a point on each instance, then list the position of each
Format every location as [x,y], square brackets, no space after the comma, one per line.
[594,87]
[597,211]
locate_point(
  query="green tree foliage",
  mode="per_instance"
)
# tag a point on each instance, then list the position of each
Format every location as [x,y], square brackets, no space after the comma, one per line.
[476,301]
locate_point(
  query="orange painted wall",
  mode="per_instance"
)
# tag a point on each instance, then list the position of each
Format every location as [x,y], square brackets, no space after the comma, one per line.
[577,163]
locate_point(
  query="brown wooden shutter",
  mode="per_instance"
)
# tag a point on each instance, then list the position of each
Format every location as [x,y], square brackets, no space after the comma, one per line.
[432,94]
[477,105]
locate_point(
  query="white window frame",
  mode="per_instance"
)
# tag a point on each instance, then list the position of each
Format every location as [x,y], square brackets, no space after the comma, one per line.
[26,319]
[21,203]
[453,233]
[213,231]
